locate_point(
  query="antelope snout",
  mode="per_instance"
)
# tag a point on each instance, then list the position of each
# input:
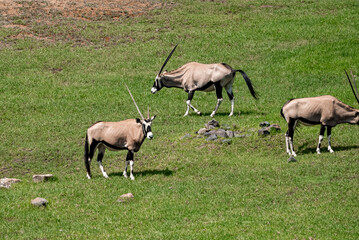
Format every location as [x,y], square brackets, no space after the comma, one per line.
[153,90]
[150,135]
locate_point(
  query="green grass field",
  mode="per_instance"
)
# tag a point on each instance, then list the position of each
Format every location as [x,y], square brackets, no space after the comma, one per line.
[51,91]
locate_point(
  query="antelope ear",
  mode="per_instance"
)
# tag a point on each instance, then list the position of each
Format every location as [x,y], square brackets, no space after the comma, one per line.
[153,117]
[138,120]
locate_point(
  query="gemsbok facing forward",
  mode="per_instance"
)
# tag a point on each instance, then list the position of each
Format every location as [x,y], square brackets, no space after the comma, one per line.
[124,135]
[195,76]
[327,111]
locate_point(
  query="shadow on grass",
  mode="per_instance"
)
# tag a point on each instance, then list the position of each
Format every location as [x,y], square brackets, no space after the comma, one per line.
[242,113]
[166,172]
[308,150]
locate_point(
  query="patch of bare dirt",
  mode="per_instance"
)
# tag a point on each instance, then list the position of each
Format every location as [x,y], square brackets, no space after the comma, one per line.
[80,9]
[34,18]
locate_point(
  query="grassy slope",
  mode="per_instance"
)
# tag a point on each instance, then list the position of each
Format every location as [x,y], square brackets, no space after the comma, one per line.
[184,188]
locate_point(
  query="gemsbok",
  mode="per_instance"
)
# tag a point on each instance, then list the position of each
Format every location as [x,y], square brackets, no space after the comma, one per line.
[124,135]
[195,76]
[327,111]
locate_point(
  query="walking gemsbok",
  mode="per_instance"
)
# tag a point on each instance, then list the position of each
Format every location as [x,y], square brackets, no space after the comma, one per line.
[124,135]
[195,76]
[327,111]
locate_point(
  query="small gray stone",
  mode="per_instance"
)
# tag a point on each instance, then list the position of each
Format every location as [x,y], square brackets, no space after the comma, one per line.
[125,197]
[263,132]
[291,159]
[41,177]
[6,182]
[207,134]
[213,123]
[230,134]
[226,126]
[227,141]
[264,124]
[186,136]
[38,202]
[212,137]
[275,127]
[202,131]
[209,127]
[221,133]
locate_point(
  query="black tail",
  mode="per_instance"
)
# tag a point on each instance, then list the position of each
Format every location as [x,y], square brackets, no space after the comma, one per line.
[249,83]
[86,156]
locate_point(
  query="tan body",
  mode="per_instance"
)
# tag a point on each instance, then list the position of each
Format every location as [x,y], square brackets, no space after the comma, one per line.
[126,134]
[194,76]
[326,110]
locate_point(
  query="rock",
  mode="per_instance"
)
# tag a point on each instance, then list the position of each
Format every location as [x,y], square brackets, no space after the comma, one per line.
[263,132]
[212,124]
[6,182]
[38,202]
[125,197]
[227,141]
[186,136]
[264,124]
[207,134]
[212,137]
[221,133]
[226,126]
[42,177]
[230,134]
[209,127]
[291,159]
[276,127]
[202,131]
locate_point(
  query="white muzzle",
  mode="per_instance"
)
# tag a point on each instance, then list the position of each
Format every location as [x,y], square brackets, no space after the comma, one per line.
[150,135]
[153,90]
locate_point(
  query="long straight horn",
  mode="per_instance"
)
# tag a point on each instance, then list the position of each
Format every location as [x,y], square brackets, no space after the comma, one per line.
[355,86]
[168,58]
[356,94]
[134,102]
[148,112]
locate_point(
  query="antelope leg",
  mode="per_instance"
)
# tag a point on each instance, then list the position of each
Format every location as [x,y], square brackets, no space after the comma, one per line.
[101,153]
[321,136]
[130,158]
[231,98]
[329,134]
[189,105]
[291,127]
[219,97]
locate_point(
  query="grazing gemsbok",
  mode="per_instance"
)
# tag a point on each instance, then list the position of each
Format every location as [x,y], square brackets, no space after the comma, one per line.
[124,135]
[195,76]
[327,111]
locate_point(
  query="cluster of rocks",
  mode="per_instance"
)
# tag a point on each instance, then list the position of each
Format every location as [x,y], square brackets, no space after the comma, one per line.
[42,202]
[213,131]
[6,183]
[267,128]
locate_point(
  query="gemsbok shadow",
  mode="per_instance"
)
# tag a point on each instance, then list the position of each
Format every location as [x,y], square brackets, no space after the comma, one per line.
[165,172]
[304,149]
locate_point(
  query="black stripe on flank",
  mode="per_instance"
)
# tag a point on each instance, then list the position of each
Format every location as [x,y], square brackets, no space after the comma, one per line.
[112,146]
[207,85]
[306,121]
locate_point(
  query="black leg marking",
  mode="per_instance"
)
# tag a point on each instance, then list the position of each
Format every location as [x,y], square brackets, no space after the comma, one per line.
[190,95]
[329,131]
[230,95]
[218,90]
[322,130]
